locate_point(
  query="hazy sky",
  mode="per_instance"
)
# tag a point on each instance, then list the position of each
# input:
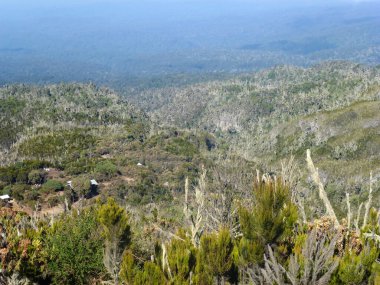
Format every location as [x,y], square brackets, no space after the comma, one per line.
[51,38]
[7,6]
[35,3]
[13,8]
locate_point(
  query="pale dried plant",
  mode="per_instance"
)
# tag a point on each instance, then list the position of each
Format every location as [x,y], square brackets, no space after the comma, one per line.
[112,259]
[358,218]
[230,186]
[314,266]
[165,261]
[349,214]
[370,235]
[321,190]
[16,279]
[373,236]
[194,213]
[367,208]
[290,174]
[369,201]
[221,210]
[34,218]
[329,208]
[66,206]
[165,234]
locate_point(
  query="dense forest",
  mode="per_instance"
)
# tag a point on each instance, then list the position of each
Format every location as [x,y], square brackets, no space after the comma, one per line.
[262,178]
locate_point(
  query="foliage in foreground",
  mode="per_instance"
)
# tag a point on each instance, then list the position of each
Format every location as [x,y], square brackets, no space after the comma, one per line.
[96,245]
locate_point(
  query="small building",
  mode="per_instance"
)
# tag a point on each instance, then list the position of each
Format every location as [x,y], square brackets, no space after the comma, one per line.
[93,189]
[5,200]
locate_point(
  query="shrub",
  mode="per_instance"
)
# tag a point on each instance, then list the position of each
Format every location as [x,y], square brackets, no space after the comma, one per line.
[181,258]
[52,186]
[81,185]
[215,258]
[31,195]
[270,221]
[180,146]
[356,268]
[106,169]
[58,145]
[151,274]
[7,190]
[128,268]
[18,191]
[18,172]
[54,201]
[116,233]
[36,177]
[75,249]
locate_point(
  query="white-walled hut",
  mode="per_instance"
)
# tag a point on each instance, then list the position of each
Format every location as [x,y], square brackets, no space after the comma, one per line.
[5,198]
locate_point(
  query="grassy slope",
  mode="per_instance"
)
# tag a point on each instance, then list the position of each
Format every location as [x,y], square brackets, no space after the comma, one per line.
[332,108]
[270,96]
[268,116]
[81,131]
[345,144]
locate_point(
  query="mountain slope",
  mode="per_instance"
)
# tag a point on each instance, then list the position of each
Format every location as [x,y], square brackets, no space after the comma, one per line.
[76,132]
[268,97]
[332,108]
[30,110]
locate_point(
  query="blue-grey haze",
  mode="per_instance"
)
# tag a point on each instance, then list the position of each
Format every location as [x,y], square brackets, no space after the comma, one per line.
[111,41]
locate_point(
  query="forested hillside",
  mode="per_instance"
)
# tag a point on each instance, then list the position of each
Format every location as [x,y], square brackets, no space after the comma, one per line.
[260,101]
[265,178]
[75,132]
[331,108]
[190,142]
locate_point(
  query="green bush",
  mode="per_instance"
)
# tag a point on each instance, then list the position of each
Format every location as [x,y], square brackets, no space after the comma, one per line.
[270,221]
[54,201]
[356,268]
[7,190]
[106,169]
[181,258]
[52,186]
[79,165]
[81,185]
[59,145]
[36,176]
[151,274]
[117,235]
[18,172]
[144,193]
[75,249]
[181,146]
[31,195]
[18,191]
[215,258]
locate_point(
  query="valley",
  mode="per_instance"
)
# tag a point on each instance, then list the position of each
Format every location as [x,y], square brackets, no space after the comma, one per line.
[185,156]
